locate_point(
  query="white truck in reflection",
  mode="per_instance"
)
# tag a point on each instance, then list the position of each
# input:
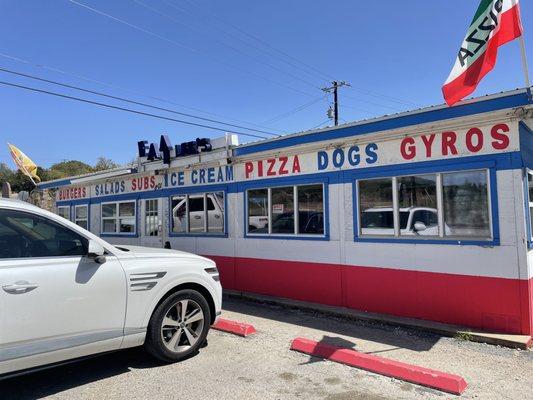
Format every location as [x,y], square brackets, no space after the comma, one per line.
[215,213]
[413,221]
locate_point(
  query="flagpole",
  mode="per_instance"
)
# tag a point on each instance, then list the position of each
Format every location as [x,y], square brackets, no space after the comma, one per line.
[524,64]
[523,54]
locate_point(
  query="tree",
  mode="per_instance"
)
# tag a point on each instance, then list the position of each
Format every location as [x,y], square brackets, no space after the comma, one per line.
[6,174]
[104,163]
[68,168]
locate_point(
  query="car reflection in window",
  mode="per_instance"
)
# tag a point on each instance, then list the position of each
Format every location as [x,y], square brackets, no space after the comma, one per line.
[310,222]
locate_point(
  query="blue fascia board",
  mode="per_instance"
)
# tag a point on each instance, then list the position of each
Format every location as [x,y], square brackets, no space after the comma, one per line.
[55,184]
[423,117]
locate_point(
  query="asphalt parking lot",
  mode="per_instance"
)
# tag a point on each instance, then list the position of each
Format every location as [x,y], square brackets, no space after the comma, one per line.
[261,366]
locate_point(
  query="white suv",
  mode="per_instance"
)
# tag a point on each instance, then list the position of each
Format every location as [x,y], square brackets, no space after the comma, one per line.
[65,294]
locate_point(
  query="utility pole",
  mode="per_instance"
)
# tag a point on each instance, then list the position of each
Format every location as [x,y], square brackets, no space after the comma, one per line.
[334,89]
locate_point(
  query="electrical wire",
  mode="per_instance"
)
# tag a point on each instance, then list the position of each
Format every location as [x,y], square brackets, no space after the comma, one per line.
[257,39]
[294,111]
[239,51]
[171,41]
[130,101]
[125,109]
[322,123]
[317,72]
[110,85]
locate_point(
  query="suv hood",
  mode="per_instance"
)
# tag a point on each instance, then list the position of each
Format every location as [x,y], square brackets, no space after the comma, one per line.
[141,251]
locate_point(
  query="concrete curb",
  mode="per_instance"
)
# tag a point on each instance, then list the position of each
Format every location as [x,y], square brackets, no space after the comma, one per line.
[522,342]
[411,373]
[237,328]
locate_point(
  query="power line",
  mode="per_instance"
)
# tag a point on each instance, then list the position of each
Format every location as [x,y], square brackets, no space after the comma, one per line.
[294,111]
[126,109]
[321,74]
[257,39]
[320,124]
[171,41]
[110,85]
[130,101]
[176,21]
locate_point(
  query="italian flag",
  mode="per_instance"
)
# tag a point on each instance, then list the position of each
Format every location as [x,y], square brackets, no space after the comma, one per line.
[496,22]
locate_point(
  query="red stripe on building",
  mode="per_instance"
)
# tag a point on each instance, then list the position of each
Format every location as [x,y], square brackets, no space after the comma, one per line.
[495,304]
[465,84]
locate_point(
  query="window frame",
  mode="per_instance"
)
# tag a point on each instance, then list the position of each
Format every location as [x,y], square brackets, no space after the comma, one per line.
[205,232]
[69,212]
[441,238]
[528,205]
[86,219]
[117,219]
[294,184]
[159,215]
[53,221]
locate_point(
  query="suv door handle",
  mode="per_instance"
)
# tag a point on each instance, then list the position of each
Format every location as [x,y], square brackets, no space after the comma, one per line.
[197,217]
[20,287]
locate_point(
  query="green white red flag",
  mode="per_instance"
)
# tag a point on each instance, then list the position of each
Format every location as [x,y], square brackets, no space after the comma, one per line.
[496,22]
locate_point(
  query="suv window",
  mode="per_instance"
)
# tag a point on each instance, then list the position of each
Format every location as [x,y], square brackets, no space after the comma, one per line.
[25,235]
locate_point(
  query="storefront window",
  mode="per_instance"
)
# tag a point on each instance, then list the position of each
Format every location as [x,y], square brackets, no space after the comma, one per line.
[376,207]
[198,213]
[258,211]
[417,203]
[64,211]
[466,204]
[281,210]
[311,209]
[81,216]
[459,199]
[118,217]
[152,221]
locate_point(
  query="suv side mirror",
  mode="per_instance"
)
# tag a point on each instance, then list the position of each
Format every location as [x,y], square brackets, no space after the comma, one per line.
[419,226]
[96,252]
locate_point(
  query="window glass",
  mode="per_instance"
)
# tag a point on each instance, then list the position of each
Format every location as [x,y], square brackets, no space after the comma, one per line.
[258,211]
[127,225]
[196,214]
[375,205]
[123,221]
[64,211]
[109,226]
[283,210]
[81,212]
[151,217]
[25,235]
[311,209]
[215,212]
[466,204]
[417,197]
[179,213]
[530,186]
[109,210]
[126,209]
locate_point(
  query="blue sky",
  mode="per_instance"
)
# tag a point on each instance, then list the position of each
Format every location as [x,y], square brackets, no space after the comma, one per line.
[396,55]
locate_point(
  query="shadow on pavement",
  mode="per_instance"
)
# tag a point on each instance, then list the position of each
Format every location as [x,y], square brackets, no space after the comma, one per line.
[398,337]
[51,381]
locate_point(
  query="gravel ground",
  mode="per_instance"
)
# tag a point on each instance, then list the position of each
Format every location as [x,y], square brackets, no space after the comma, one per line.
[262,366]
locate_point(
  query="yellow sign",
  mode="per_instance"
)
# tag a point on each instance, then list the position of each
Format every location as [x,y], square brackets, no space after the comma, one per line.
[24,163]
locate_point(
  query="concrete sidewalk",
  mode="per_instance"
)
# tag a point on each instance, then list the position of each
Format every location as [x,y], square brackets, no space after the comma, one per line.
[522,342]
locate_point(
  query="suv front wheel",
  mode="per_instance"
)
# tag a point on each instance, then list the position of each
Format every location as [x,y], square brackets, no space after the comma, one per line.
[178,327]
